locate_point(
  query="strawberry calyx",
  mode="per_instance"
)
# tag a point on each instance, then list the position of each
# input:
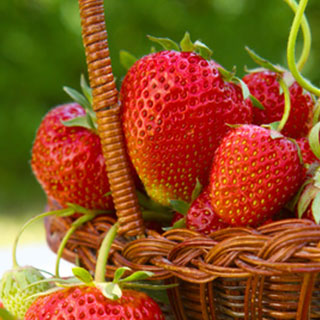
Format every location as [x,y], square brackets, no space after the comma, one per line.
[183,207]
[84,99]
[186,45]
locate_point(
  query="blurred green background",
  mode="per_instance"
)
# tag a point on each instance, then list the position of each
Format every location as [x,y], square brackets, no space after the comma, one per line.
[41,51]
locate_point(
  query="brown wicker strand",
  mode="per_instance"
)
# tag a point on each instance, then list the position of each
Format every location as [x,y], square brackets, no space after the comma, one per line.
[105,103]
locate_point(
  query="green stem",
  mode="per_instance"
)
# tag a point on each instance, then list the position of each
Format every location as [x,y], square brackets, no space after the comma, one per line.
[104,253]
[65,212]
[306,36]
[287,104]
[75,225]
[291,50]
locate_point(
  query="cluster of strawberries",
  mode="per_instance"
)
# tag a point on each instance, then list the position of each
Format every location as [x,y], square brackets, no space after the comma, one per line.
[208,148]
[186,119]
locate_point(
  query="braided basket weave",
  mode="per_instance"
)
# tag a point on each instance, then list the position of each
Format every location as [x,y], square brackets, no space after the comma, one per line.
[237,273]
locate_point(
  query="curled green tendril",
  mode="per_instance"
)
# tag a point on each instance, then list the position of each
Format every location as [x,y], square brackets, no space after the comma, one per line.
[291,50]
[75,225]
[287,104]
[306,36]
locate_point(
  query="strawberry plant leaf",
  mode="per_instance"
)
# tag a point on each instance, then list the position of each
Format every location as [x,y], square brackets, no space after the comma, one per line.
[204,51]
[179,224]
[196,191]
[110,290]
[127,59]
[314,140]
[263,62]
[255,102]
[119,273]
[78,97]
[166,43]
[305,199]
[227,75]
[137,276]
[186,44]
[244,87]
[82,274]
[315,207]
[83,122]
[87,91]
[180,206]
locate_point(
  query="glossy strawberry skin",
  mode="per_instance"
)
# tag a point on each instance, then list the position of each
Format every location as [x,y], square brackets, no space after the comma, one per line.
[68,161]
[264,86]
[88,303]
[253,175]
[201,217]
[175,107]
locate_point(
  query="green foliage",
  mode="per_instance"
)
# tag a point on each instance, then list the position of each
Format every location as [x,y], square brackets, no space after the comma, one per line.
[41,51]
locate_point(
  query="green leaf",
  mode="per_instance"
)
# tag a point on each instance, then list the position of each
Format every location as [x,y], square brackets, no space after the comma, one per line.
[227,75]
[166,43]
[127,59]
[119,273]
[314,140]
[305,199]
[110,290]
[204,51]
[245,90]
[273,126]
[78,97]
[137,276]
[180,206]
[5,315]
[82,274]
[83,121]
[180,224]
[196,191]
[255,102]
[87,91]
[315,207]
[186,44]
[263,62]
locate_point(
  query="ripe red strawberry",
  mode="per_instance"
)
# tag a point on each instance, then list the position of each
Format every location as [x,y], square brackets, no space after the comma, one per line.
[201,217]
[88,298]
[175,111]
[89,303]
[68,161]
[254,173]
[263,85]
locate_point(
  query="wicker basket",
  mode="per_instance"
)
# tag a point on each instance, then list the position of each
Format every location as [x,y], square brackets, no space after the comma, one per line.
[237,273]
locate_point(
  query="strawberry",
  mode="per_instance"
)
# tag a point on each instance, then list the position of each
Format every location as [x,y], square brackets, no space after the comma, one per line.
[175,111]
[15,290]
[68,161]
[89,303]
[201,217]
[255,172]
[264,86]
[94,298]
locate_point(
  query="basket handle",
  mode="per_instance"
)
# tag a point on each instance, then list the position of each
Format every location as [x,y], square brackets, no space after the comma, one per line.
[107,108]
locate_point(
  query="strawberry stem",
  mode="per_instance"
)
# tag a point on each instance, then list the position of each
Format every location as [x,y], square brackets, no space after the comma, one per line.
[291,50]
[104,253]
[306,36]
[75,225]
[287,104]
[61,212]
